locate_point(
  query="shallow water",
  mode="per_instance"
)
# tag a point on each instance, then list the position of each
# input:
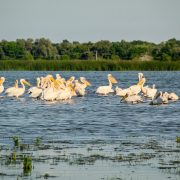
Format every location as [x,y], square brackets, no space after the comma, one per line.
[93,118]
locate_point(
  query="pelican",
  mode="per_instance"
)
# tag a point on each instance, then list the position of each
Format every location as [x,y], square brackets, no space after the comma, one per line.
[173,97]
[134,99]
[66,93]
[107,89]
[136,89]
[2,79]
[132,90]
[11,89]
[81,87]
[51,92]
[121,92]
[36,91]
[149,92]
[19,91]
[159,99]
[61,82]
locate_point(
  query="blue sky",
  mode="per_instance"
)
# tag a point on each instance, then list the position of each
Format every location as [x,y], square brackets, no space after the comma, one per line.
[90,20]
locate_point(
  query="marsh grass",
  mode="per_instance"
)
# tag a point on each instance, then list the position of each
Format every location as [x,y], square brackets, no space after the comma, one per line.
[37,141]
[87,65]
[27,165]
[178,139]
[16,141]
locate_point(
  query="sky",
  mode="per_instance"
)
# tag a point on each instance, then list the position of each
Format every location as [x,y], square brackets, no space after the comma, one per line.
[90,20]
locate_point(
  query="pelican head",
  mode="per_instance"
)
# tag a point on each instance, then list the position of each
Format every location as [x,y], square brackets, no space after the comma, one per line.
[112,79]
[58,76]
[140,76]
[2,79]
[72,78]
[83,80]
[25,82]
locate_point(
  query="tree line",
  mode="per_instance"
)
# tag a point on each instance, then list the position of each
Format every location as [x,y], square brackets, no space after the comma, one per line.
[29,49]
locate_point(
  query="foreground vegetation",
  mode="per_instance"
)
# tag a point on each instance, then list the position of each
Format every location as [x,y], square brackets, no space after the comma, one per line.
[89,65]
[31,161]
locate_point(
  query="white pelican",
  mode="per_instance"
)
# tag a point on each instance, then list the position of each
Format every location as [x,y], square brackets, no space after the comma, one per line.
[149,92]
[81,87]
[132,90]
[121,92]
[51,92]
[61,81]
[2,79]
[173,97]
[159,99]
[66,93]
[107,89]
[19,91]
[11,89]
[36,91]
[134,99]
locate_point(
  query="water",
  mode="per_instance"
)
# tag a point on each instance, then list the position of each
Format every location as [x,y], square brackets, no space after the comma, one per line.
[84,120]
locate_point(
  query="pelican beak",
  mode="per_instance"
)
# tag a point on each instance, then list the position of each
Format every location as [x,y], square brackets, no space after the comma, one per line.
[113,80]
[87,83]
[27,83]
[52,79]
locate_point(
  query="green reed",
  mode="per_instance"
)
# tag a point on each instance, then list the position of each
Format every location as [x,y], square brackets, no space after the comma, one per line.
[88,65]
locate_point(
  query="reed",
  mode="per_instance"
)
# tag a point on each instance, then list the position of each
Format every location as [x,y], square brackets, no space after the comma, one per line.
[88,65]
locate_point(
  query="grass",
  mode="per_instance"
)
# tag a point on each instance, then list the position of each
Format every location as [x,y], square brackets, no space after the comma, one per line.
[87,65]
[178,139]
[27,165]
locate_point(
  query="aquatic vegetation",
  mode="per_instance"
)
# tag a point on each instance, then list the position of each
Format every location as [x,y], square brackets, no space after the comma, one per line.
[23,147]
[88,65]
[11,158]
[16,141]
[27,165]
[178,139]
[37,141]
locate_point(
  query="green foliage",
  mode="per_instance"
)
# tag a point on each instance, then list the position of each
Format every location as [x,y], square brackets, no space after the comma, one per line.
[88,65]
[44,49]
[27,165]
[37,141]
[178,139]
[16,141]
[11,158]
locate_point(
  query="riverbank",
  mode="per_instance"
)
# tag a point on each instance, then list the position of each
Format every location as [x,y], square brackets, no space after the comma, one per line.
[88,65]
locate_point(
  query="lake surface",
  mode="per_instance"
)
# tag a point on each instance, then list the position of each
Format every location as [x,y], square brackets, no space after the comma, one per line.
[86,120]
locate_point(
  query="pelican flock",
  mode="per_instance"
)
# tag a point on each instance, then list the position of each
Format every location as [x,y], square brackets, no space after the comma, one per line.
[49,88]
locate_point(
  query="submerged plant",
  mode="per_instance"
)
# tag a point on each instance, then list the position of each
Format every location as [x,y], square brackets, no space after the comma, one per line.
[27,165]
[11,158]
[178,139]
[16,141]
[37,141]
